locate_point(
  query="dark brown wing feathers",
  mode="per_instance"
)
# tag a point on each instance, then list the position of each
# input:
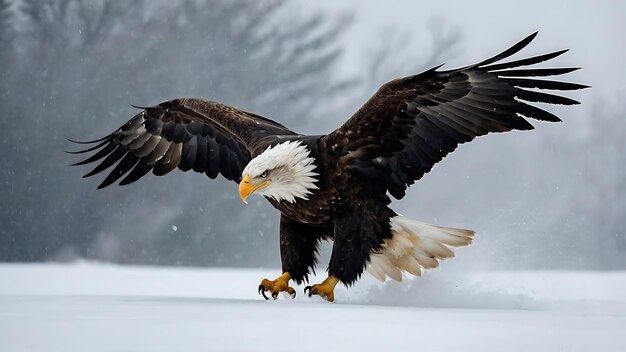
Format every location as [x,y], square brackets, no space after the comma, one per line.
[188,134]
[412,123]
[409,125]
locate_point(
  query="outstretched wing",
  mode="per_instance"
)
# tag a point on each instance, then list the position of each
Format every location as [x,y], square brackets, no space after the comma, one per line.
[412,123]
[189,134]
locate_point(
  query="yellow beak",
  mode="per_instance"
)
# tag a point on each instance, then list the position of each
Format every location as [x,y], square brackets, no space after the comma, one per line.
[246,188]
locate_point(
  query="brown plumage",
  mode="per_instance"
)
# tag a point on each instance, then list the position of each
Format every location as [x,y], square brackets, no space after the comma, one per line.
[339,184]
[188,134]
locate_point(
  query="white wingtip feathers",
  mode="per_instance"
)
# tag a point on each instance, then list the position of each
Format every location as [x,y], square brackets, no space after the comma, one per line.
[415,246]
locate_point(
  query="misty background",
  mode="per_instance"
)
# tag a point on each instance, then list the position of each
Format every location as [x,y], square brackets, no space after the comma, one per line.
[550,198]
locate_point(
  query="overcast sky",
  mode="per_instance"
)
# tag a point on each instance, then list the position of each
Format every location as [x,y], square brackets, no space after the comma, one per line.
[593,30]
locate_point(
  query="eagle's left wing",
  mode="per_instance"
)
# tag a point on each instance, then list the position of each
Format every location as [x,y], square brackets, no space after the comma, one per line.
[188,134]
[412,123]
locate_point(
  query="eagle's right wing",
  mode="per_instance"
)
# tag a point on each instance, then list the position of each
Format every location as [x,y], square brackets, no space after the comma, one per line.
[412,123]
[187,134]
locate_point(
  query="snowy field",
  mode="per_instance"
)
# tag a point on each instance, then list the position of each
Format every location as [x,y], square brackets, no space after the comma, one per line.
[101,307]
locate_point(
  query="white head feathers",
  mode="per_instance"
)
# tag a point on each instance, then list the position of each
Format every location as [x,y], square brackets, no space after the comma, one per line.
[290,169]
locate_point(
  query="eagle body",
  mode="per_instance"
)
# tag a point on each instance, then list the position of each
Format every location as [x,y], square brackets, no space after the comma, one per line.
[340,210]
[316,208]
[339,186]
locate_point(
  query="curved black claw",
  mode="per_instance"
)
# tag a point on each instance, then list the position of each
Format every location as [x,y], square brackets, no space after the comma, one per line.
[324,290]
[262,292]
[275,287]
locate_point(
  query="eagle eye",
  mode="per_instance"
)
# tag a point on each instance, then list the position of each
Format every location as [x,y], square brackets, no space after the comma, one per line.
[264,174]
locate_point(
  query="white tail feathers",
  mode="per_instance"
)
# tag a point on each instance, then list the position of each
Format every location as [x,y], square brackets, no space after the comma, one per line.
[415,246]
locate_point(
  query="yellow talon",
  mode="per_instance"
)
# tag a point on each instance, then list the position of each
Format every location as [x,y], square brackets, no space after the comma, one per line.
[325,289]
[281,284]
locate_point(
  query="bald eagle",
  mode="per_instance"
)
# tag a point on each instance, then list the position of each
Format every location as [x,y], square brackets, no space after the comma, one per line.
[338,186]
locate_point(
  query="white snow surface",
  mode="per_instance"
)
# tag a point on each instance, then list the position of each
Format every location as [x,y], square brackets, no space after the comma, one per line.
[103,307]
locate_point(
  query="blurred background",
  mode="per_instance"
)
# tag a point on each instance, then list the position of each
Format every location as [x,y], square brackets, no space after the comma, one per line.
[551,198]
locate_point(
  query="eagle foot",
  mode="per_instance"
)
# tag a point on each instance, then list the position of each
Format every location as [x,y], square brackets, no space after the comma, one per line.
[281,284]
[324,290]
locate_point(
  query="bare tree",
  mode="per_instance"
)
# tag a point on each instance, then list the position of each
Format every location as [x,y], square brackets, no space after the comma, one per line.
[5,24]
[6,42]
[391,58]
[595,210]
[84,61]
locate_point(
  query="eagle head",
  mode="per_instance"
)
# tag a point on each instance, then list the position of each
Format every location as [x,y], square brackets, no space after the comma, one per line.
[283,172]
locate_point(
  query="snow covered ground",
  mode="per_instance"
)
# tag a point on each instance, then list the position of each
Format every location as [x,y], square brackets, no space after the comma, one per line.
[101,307]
